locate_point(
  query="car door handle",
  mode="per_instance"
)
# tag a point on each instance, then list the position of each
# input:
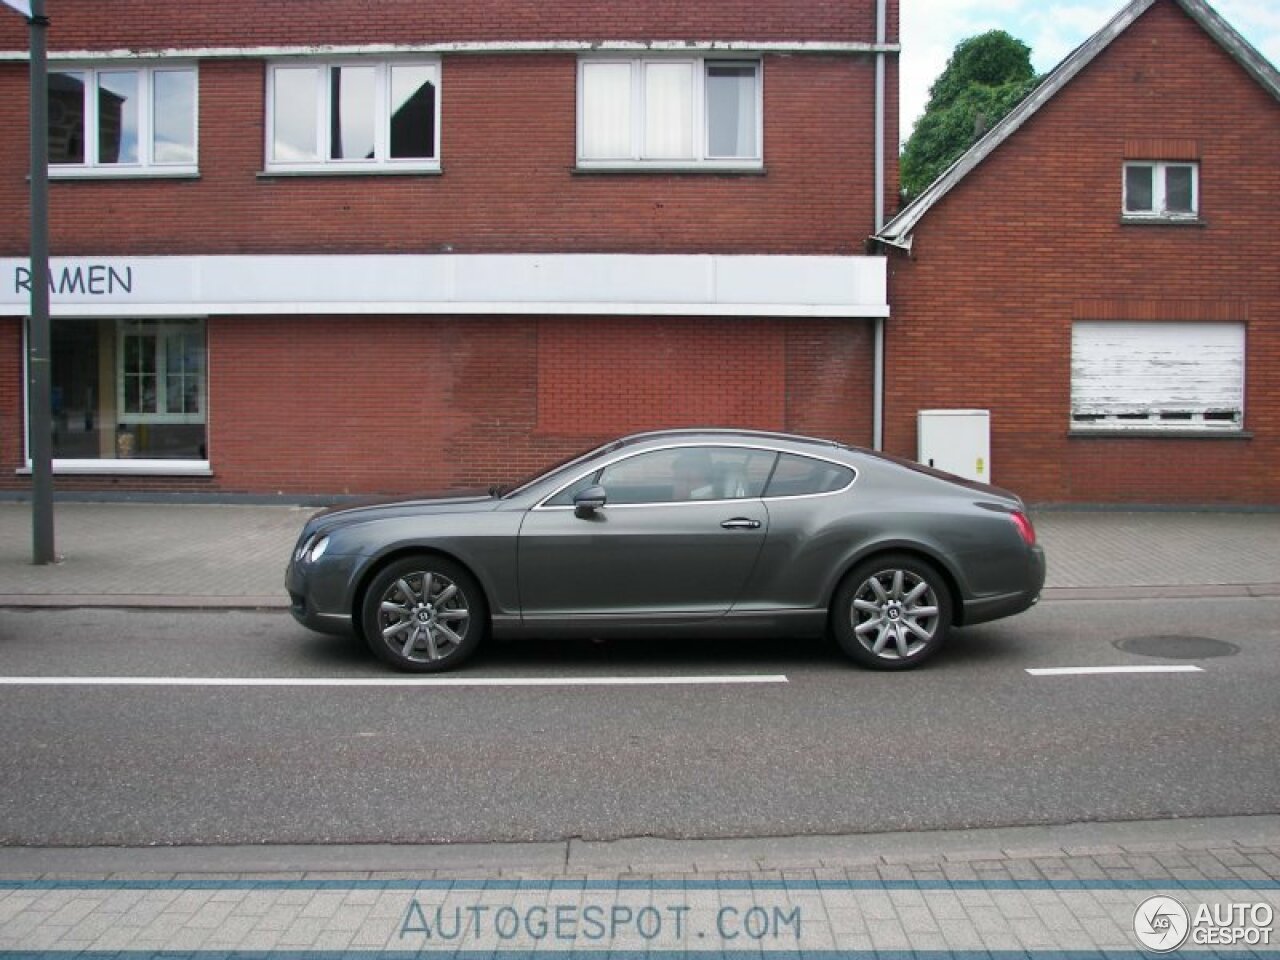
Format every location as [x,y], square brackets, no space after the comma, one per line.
[741,523]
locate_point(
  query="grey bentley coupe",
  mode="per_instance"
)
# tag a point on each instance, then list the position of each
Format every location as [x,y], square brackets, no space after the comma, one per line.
[677,533]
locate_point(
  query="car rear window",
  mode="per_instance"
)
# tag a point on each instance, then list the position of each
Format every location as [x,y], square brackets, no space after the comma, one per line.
[797,476]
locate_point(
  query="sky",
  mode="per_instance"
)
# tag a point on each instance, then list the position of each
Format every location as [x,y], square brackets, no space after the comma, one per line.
[1052,28]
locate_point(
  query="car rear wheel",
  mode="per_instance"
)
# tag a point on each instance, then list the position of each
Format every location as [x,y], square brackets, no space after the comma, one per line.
[892,612]
[424,614]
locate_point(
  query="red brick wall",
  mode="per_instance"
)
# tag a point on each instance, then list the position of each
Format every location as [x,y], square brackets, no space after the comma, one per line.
[395,404]
[147,24]
[507,152]
[1032,240]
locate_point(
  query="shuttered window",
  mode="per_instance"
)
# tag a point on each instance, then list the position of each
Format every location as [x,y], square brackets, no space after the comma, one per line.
[1172,376]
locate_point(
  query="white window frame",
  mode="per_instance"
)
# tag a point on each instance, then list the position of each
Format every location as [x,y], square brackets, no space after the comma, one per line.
[701,159]
[382,162]
[1130,349]
[146,164]
[158,332]
[1159,193]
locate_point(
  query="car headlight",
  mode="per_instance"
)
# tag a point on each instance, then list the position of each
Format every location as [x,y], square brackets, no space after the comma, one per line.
[318,550]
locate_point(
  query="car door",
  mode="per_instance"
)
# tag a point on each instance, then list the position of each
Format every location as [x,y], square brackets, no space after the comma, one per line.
[679,536]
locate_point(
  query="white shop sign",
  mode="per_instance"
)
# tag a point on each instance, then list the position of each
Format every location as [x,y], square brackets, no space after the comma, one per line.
[621,284]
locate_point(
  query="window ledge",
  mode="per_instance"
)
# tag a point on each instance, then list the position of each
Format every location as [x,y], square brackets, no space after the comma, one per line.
[270,174]
[135,468]
[1126,221]
[738,170]
[1148,433]
[183,173]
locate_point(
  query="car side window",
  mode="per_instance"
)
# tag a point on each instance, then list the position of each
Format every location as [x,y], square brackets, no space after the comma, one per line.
[797,476]
[679,475]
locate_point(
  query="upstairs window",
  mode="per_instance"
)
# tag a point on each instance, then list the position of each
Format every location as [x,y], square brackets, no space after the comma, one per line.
[353,116]
[1162,190]
[667,112]
[122,120]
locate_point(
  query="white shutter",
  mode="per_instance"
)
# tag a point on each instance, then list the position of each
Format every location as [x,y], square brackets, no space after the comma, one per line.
[606,111]
[1165,374]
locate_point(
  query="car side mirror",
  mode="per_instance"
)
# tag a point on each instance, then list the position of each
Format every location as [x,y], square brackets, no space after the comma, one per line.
[587,502]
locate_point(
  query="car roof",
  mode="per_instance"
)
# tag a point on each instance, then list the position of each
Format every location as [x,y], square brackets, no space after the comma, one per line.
[724,433]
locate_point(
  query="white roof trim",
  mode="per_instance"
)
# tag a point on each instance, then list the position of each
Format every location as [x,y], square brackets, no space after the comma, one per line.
[897,232]
[480,47]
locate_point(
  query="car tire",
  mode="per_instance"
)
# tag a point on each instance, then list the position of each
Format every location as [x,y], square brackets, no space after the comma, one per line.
[424,614]
[892,612]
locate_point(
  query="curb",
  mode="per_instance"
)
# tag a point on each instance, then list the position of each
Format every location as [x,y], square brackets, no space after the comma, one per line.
[659,854]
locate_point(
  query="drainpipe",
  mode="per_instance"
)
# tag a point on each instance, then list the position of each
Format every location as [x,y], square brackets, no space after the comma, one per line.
[877,411]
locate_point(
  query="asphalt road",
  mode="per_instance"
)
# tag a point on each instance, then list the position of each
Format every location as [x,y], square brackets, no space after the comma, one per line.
[972,740]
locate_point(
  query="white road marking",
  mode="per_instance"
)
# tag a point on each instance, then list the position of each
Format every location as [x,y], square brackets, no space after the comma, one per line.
[1081,671]
[391,681]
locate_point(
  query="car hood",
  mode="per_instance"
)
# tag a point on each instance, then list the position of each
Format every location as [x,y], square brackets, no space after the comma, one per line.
[452,501]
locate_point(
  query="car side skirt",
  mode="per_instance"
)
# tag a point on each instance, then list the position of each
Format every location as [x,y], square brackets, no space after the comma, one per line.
[778,623]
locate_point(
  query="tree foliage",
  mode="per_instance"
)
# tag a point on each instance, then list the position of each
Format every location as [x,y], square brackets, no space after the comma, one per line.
[986,77]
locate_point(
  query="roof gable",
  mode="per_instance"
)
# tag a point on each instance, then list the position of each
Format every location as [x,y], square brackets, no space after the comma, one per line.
[897,232]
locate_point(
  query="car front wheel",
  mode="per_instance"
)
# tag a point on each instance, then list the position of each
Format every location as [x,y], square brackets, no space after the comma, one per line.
[424,614]
[892,613]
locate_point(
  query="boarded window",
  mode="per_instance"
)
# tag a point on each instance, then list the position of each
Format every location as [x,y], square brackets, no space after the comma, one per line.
[1161,375]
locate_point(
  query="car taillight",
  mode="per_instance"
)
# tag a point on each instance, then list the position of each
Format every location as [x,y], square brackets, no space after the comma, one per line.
[1025,529]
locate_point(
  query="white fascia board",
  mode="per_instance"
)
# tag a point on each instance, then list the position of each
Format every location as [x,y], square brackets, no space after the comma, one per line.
[491,284]
[465,47]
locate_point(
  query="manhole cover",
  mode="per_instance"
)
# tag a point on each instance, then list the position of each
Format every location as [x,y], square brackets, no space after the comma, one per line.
[1178,647]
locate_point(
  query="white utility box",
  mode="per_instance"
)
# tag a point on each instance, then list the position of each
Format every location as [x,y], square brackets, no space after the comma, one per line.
[957,441]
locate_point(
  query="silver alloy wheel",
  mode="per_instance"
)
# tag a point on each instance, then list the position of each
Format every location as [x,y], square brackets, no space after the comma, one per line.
[424,616]
[894,614]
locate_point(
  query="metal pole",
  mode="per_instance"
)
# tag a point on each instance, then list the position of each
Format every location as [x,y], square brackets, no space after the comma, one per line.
[39,423]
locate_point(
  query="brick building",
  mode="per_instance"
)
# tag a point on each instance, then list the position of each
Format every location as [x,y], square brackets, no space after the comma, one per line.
[329,248]
[1102,273]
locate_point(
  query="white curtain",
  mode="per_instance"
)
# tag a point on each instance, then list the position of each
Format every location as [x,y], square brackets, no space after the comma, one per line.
[606,111]
[668,93]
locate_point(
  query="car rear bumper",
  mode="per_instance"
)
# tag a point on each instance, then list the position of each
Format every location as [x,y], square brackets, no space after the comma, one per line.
[986,609]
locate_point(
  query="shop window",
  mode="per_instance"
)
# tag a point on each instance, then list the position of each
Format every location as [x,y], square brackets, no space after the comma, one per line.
[122,120]
[1157,376]
[664,112]
[129,390]
[356,116]
[1161,190]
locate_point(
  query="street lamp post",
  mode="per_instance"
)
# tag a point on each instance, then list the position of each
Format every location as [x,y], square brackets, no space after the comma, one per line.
[39,416]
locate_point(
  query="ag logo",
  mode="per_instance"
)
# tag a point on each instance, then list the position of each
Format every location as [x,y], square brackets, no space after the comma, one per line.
[1161,924]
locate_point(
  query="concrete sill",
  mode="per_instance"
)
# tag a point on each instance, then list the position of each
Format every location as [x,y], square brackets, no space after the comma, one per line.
[1149,434]
[1163,222]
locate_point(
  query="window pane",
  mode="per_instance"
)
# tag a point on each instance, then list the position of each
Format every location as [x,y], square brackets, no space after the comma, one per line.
[668,126]
[118,117]
[294,133]
[66,117]
[801,476]
[413,112]
[174,116]
[731,111]
[1177,190]
[351,113]
[83,417]
[1137,189]
[606,111]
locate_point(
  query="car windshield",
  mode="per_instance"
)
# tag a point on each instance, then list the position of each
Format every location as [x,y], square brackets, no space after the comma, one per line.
[514,489]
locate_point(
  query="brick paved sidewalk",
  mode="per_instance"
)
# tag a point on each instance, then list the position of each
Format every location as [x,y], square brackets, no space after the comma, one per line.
[234,555]
[1025,891]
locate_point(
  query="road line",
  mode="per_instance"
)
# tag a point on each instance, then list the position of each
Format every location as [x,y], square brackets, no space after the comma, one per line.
[722,680]
[1082,671]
